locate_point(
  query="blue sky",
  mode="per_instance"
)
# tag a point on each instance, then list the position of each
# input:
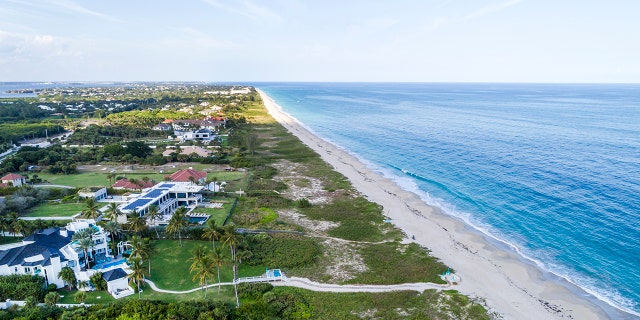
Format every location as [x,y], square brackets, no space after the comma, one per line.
[321,40]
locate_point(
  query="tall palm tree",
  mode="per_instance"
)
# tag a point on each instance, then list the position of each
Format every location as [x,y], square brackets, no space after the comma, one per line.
[85,244]
[217,259]
[211,232]
[202,267]
[141,248]
[233,239]
[138,273]
[153,215]
[91,211]
[113,228]
[113,212]
[67,275]
[178,222]
[136,223]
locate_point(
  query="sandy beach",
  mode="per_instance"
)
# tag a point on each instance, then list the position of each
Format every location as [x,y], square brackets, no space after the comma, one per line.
[510,287]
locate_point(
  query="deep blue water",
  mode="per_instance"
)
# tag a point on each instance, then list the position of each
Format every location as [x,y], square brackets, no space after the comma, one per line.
[551,170]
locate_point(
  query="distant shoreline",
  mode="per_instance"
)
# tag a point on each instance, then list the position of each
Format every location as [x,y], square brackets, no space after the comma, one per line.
[511,287]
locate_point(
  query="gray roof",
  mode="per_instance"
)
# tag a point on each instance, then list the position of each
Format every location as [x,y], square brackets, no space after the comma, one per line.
[114,274]
[45,242]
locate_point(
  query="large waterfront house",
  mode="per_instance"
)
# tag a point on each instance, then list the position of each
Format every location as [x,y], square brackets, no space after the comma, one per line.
[167,196]
[46,252]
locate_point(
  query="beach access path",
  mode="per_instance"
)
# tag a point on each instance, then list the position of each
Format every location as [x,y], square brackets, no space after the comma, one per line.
[305,283]
[510,287]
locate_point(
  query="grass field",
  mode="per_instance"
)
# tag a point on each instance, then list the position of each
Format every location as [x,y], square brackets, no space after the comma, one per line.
[93,297]
[217,214]
[170,265]
[55,210]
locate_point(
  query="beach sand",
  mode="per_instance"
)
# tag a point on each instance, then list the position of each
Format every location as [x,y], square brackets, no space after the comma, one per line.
[510,287]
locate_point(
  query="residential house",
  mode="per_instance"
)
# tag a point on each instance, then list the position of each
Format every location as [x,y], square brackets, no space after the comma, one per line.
[129,185]
[167,196]
[13,179]
[47,251]
[163,127]
[189,175]
[97,193]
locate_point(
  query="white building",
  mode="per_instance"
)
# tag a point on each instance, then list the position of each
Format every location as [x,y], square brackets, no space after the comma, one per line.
[46,252]
[167,196]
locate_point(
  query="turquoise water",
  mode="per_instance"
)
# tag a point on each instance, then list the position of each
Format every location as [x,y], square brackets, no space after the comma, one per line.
[552,171]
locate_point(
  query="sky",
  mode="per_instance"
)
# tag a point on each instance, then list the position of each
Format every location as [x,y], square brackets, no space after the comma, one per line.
[571,41]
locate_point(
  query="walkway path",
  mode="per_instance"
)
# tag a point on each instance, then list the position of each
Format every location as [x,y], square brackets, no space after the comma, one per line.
[52,186]
[305,283]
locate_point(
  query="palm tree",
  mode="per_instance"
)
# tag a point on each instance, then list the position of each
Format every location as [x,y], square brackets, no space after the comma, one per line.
[153,214]
[91,211]
[232,238]
[178,222]
[113,212]
[138,273]
[136,223]
[85,244]
[67,275]
[113,228]
[202,266]
[110,176]
[141,248]
[217,259]
[211,232]
[20,226]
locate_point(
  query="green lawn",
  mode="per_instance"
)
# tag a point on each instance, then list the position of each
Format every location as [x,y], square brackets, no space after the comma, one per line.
[56,210]
[170,265]
[79,180]
[93,297]
[217,214]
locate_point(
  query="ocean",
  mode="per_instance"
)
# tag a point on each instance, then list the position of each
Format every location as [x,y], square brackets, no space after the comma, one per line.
[550,171]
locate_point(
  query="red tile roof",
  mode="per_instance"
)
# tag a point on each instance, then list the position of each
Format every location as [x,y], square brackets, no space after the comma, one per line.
[11,177]
[126,184]
[183,175]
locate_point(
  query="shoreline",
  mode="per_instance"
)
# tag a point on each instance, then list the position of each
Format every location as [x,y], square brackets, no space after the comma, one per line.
[510,286]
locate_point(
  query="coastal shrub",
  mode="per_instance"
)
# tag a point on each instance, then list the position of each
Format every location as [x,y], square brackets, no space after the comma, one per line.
[267,214]
[392,262]
[303,203]
[253,290]
[284,251]
[19,287]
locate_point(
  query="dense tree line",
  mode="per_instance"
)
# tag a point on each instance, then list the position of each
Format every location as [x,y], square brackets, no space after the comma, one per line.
[260,301]
[101,135]
[20,110]
[17,132]
[57,158]
[20,287]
